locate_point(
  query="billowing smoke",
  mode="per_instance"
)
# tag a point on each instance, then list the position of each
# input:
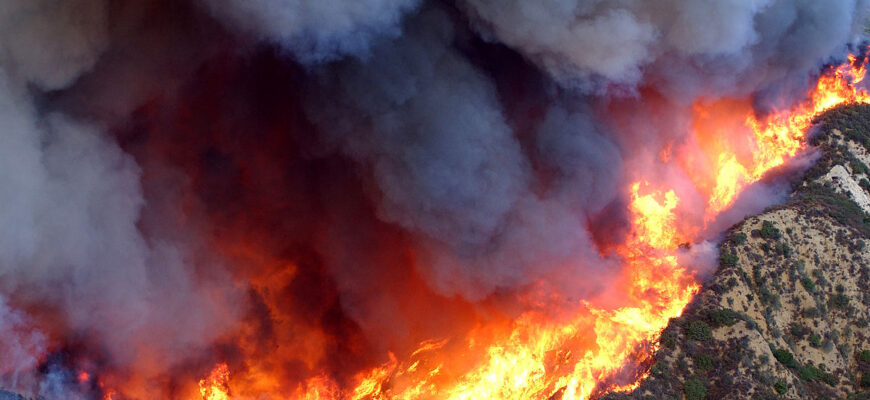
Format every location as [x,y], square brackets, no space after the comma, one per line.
[285,184]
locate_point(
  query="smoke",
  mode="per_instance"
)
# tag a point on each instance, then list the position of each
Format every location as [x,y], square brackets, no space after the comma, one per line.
[190,181]
[319,31]
[431,135]
[689,48]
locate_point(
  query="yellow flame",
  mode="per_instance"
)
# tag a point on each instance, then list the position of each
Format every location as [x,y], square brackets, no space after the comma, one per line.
[216,385]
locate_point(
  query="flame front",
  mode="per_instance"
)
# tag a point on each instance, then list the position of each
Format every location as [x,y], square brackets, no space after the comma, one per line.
[599,346]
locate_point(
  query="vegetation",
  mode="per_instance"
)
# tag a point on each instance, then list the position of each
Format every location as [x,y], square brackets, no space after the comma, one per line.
[698,330]
[785,357]
[703,362]
[694,389]
[740,237]
[723,317]
[768,231]
[808,284]
[780,387]
[728,259]
[815,340]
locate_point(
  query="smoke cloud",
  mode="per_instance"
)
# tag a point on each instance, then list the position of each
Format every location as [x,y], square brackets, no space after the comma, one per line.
[190,181]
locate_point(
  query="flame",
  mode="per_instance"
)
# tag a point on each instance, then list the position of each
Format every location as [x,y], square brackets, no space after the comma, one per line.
[598,347]
[216,385]
[774,138]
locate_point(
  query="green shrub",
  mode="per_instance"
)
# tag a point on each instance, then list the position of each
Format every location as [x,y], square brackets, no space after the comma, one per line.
[808,283]
[857,167]
[784,249]
[694,389]
[809,372]
[740,237]
[840,300]
[768,231]
[780,387]
[723,317]
[728,259]
[815,340]
[698,330]
[703,362]
[864,356]
[865,380]
[785,357]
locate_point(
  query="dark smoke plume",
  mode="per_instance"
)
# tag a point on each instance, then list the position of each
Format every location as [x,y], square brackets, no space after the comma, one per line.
[190,181]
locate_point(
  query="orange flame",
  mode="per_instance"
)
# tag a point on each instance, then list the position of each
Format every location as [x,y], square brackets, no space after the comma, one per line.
[597,349]
[216,385]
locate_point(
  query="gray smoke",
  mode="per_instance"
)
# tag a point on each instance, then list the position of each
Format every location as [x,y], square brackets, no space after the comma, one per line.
[72,199]
[691,47]
[429,129]
[315,31]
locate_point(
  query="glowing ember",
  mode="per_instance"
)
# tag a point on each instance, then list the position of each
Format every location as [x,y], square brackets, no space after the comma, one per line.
[216,385]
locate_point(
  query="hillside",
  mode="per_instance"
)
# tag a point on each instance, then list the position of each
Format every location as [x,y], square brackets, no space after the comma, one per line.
[787,314]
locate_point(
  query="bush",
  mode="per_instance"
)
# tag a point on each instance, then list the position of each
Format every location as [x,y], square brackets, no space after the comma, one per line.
[698,330]
[740,237]
[768,231]
[723,317]
[808,283]
[728,259]
[784,249]
[857,167]
[785,358]
[694,389]
[780,387]
[865,380]
[840,300]
[864,356]
[815,340]
[703,362]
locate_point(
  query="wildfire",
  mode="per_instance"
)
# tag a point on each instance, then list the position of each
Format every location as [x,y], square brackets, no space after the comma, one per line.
[774,138]
[216,385]
[598,349]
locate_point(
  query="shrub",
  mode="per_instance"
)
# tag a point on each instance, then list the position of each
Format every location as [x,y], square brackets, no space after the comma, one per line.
[857,167]
[768,231]
[864,356]
[723,317]
[694,389]
[784,249]
[780,387]
[785,358]
[808,283]
[840,300]
[865,380]
[815,340]
[728,259]
[799,331]
[703,362]
[698,330]
[740,237]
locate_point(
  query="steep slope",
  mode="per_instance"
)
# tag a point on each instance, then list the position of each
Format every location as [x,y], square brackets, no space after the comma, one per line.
[787,314]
